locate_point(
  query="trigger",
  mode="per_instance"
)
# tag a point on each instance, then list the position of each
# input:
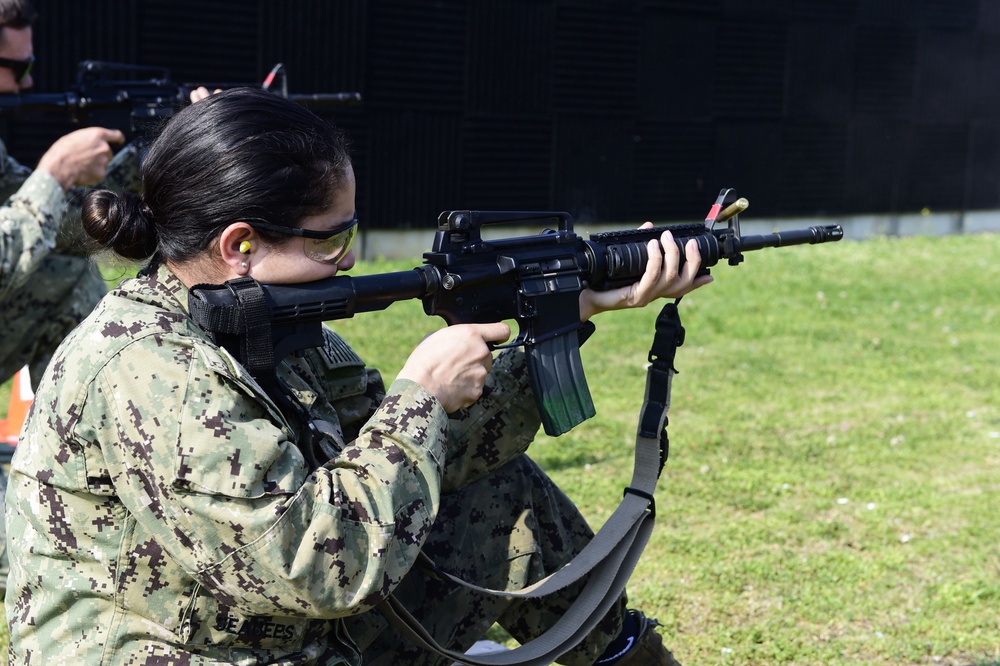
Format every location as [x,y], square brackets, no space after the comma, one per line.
[517,342]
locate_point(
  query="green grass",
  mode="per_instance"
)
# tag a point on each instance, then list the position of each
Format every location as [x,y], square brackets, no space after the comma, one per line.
[831,492]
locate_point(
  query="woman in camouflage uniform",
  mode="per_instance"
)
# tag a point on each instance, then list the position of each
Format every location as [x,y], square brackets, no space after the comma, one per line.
[165,509]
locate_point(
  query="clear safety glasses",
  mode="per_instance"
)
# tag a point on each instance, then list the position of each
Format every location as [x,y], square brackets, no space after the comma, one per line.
[327,247]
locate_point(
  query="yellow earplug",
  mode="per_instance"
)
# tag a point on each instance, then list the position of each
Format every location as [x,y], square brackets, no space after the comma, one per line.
[245,247]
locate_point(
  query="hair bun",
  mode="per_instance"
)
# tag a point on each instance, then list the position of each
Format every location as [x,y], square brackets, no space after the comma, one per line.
[122,223]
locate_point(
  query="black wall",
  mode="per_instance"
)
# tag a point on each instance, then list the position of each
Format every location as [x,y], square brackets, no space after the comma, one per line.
[614,110]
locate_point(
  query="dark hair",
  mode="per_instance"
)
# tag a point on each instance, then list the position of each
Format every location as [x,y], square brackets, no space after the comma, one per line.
[16,14]
[242,153]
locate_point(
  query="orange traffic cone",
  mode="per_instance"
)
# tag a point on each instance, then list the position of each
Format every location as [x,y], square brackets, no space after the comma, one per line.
[21,396]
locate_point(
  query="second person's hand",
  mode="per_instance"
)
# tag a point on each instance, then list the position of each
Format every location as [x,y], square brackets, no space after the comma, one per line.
[81,157]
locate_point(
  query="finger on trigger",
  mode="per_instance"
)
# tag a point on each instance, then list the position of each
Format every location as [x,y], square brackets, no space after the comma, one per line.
[497,332]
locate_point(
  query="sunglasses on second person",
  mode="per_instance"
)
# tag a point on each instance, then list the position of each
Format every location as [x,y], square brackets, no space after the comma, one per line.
[20,68]
[327,247]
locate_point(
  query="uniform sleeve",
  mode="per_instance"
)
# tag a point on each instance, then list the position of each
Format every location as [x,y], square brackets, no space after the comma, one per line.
[496,428]
[29,223]
[209,469]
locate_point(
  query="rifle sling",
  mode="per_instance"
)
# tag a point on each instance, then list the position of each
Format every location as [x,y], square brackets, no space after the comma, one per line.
[611,555]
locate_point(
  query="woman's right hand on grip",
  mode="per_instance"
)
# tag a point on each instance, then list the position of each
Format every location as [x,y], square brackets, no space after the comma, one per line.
[452,363]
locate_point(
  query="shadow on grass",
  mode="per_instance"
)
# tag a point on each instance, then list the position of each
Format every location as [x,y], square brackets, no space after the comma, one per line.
[559,455]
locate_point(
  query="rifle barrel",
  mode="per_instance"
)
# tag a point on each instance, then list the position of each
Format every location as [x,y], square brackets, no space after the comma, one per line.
[323,99]
[811,236]
[58,102]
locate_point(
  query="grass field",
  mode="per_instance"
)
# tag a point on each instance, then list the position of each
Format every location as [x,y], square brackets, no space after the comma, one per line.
[832,490]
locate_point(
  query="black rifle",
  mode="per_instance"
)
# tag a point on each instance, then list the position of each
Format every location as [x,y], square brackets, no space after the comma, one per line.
[536,280]
[136,99]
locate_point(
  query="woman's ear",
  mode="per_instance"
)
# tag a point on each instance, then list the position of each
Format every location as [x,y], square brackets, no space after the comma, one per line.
[237,244]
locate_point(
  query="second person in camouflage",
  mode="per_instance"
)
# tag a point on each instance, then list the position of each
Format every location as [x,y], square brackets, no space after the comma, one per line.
[47,284]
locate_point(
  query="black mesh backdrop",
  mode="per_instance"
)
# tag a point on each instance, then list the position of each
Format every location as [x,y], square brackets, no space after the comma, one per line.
[616,111]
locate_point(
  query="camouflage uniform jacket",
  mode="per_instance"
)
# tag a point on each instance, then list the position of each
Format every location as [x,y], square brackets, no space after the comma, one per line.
[29,220]
[37,217]
[163,511]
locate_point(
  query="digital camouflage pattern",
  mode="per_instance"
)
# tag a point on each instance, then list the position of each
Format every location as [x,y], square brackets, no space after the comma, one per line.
[163,511]
[47,285]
